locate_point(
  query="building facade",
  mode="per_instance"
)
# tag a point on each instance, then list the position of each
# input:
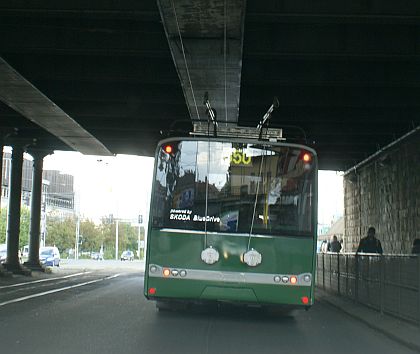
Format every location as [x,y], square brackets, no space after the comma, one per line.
[58,188]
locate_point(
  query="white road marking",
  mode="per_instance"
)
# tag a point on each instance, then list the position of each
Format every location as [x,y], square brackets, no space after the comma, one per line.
[42,280]
[56,290]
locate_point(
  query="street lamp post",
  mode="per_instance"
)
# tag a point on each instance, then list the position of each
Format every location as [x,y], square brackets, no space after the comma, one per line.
[116,241]
[77,196]
[76,246]
[45,185]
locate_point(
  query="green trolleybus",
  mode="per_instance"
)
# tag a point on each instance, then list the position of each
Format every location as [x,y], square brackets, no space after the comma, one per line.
[233,218]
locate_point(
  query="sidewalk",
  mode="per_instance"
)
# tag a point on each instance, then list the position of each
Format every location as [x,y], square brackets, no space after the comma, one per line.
[403,332]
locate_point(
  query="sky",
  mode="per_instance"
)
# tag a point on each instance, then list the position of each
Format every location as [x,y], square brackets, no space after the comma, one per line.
[330,196]
[121,186]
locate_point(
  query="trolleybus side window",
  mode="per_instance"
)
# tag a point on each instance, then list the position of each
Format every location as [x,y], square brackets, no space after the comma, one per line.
[224,185]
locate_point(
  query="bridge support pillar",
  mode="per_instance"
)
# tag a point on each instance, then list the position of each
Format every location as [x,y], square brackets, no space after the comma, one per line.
[36,200]
[13,216]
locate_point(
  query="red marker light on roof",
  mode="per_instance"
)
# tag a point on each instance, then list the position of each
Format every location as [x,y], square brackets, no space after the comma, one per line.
[306,157]
[168,149]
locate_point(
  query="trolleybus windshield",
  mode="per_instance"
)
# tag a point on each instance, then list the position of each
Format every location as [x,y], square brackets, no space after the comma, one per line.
[234,188]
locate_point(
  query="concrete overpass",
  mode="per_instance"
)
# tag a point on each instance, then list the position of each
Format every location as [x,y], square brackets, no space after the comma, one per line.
[346,73]
[106,78]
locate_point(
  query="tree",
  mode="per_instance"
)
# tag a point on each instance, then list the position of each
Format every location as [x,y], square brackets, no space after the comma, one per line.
[61,233]
[108,238]
[25,219]
[128,236]
[3,222]
[92,236]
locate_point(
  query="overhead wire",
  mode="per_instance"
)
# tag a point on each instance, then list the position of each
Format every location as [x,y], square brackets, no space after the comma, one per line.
[207,193]
[256,199]
[195,101]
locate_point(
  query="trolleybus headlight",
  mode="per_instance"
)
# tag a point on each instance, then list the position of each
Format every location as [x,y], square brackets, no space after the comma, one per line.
[252,258]
[183,273]
[174,272]
[153,269]
[210,255]
[307,278]
[284,278]
[293,280]
[277,279]
[166,272]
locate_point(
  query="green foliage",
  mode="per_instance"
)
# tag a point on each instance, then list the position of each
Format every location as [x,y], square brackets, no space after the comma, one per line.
[127,237]
[108,236]
[24,226]
[91,236]
[62,233]
[3,222]
[25,220]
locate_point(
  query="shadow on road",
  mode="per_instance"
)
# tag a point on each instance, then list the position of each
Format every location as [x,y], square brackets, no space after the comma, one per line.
[229,311]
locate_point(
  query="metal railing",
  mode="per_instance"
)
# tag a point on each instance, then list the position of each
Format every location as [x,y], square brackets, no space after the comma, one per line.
[387,283]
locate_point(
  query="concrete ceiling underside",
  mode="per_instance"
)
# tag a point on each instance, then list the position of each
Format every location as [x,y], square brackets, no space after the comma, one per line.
[205,38]
[346,73]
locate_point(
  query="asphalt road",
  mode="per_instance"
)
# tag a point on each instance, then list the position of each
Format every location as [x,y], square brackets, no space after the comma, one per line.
[103,311]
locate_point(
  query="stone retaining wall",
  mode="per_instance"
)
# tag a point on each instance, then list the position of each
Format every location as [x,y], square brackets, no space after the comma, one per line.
[385,193]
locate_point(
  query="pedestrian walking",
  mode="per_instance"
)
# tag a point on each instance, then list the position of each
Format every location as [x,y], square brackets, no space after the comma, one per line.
[334,245]
[370,244]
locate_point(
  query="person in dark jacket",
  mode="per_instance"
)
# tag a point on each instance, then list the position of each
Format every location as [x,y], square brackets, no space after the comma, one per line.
[370,244]
[334,245]
[416,246]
